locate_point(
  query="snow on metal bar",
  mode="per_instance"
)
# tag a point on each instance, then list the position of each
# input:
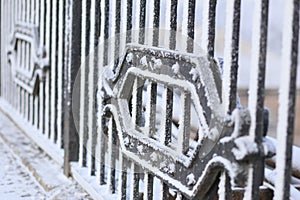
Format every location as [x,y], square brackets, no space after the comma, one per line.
[256,92]
[184,123]
[60,64]
[166,129]
[134,182]
[53,59]
[82,128]
[208,26]
[287,95]
[122,181]
[111,181]
[229,87]
[148,186]
[129,21]
[156,19]
[150,120]
[103,145]
[100,100]
[47,77]
[191,26]
[137,95]
[173,24]
[91,123]
[142,22]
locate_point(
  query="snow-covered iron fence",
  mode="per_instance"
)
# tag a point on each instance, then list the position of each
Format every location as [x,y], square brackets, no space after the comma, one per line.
[32,39]
[158,116]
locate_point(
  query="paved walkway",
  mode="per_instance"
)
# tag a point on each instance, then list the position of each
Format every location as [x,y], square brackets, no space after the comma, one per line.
[26,172]
[15,181]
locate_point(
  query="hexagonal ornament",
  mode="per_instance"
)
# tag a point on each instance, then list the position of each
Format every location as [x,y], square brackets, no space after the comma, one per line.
[143,93]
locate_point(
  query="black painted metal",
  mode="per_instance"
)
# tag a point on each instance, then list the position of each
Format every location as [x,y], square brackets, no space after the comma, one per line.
[189,175]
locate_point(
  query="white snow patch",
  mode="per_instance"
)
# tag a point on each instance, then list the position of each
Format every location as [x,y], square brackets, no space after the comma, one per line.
[244,146]
[157,63]
[144,61]
[190,179]
[129,58]
[214,134]
[175,68]
[194,73]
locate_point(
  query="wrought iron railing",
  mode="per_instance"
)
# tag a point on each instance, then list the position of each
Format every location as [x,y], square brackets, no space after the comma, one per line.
[130,99]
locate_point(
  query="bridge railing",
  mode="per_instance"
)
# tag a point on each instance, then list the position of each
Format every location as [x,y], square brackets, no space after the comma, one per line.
[156,114]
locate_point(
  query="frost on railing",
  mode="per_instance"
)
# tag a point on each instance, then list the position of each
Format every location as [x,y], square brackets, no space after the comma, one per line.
[27,57]
[153,97]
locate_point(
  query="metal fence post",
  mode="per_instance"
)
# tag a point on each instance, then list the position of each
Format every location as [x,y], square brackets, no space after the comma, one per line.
[72,64]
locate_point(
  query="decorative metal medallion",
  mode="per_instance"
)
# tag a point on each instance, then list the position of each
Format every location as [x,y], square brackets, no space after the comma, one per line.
[189,164]
[27,56]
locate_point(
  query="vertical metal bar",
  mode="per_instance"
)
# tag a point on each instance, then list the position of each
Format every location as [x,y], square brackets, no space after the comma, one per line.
[148,186]
[111,155]
[41,87]
[53,71]
[47,76]
[224,191]
[117,32]
[82,85]
[83,90]
[165,134]
[256,93]
[93,72]
[102,149]
[134,187]
[208,26]
[129,21]
[122,177]
[137,99]
[173,24]
[111,32]
[36,96]
[72,55]
[60,72]
[15,89]
[287,96]
[184,123]
[156,18]
[10,84]
[142,21]
[42,107]
[137,95]
[104,62]
[67,86]
[151,108]
[164,191]
[90,87]
[7,66]
[191,26]
[229,87]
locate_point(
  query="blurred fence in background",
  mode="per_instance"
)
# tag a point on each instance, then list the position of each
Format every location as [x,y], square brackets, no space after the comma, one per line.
[156,113]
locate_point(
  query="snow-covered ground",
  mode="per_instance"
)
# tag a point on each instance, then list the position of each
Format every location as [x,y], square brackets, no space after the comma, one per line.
[15,181]
[26,172]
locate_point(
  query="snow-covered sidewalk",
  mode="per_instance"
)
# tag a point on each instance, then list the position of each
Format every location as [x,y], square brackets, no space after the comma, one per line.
[15,180]
[26,172]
